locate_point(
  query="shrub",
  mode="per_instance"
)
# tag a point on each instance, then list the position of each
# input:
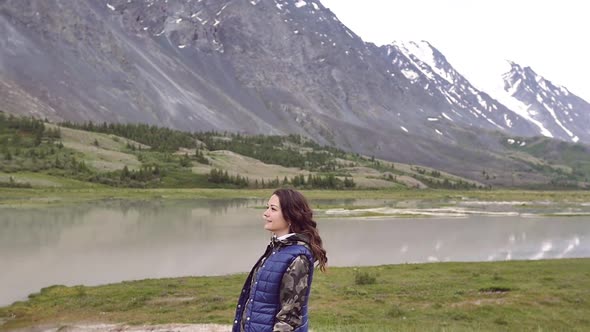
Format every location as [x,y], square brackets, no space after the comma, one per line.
[364,278]
[395,312]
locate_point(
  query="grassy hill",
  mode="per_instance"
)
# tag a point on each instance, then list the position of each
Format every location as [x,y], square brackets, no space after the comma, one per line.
[38,154]
[566,164]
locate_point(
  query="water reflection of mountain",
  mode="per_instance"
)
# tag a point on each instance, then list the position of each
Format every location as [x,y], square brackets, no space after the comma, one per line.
[32,229]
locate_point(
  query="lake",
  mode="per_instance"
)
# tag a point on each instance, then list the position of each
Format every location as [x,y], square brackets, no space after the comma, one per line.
[111,241]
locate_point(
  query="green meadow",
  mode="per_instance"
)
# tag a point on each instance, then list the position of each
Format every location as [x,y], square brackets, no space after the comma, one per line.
[545,295]
[28,197]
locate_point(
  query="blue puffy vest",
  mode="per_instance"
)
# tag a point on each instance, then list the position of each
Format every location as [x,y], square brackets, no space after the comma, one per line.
[265,295]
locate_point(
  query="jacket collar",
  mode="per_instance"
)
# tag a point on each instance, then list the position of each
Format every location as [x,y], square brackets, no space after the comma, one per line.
[288,239]
[284,237]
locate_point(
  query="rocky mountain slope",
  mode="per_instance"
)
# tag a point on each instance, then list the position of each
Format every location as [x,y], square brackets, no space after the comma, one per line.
[425,66]
[254,66]
[557,112]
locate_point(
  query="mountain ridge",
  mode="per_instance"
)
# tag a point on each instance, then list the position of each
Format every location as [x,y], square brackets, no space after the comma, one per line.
[273,67]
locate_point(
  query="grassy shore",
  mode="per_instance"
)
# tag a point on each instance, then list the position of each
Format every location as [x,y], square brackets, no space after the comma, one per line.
[18,197]
[547,295]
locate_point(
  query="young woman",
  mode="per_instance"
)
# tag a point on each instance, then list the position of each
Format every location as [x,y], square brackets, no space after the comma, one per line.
[275,294]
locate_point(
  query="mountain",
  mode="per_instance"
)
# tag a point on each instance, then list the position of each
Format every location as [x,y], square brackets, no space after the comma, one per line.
[520,101]
[252,66]
[557,112]
[425,66]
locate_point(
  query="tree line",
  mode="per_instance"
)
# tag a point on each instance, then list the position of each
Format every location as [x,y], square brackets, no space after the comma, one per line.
[26,144]
[329,181]
[278,150]
[158,138]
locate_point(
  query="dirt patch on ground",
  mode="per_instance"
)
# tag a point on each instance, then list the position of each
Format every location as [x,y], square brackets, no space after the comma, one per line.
[171,300]
[478,302]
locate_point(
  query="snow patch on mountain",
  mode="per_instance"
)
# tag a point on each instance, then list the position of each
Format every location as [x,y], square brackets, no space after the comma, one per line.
[410,74]
[423,51]
[300,3]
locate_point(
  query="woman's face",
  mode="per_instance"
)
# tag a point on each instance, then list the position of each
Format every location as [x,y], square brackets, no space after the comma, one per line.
[273,217]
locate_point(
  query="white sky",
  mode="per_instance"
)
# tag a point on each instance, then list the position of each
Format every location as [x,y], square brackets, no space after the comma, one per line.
[550,36]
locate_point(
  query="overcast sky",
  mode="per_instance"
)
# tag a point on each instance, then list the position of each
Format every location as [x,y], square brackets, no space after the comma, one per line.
[550,36]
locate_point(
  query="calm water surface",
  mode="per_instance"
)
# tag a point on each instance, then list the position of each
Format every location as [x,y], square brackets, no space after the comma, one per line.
[111,241]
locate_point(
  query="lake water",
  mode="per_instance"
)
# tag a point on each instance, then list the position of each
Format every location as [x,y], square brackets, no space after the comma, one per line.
[111,241]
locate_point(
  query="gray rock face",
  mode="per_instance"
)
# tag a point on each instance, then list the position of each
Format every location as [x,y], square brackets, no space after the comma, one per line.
[89,62]
[253,66]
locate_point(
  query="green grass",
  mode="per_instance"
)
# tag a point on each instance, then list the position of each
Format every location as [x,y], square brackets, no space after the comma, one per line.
[37,179]
[75,191]
[548,295]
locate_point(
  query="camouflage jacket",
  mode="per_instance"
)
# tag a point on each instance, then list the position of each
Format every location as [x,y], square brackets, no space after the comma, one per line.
[294,285]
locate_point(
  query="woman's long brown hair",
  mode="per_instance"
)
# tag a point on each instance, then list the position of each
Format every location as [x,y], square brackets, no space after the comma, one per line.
[297,212]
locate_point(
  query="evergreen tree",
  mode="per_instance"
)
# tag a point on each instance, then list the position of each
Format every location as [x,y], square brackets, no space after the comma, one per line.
[125,173]
[185,161]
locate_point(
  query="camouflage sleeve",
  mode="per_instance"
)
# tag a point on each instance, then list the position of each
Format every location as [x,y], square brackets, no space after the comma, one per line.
[293,295]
